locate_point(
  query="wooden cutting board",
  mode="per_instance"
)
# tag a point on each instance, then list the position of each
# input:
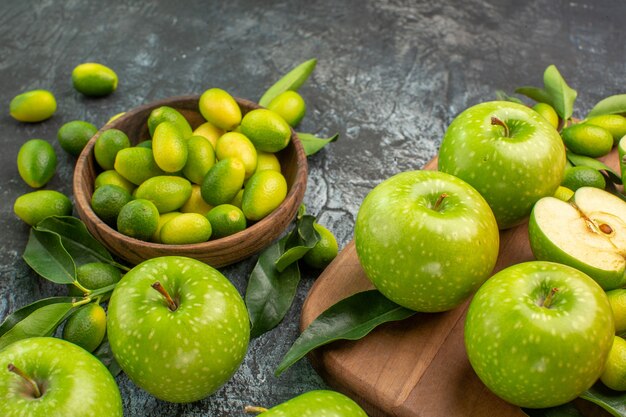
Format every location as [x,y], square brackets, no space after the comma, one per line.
[417,367]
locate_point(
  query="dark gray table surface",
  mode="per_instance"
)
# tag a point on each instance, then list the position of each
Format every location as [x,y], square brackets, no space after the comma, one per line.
[391,75]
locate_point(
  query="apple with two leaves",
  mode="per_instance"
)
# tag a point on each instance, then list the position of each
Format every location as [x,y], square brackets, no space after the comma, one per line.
[509,153]
[178,328]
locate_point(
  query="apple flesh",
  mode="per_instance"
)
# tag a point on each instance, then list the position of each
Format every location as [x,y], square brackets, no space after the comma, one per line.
[178,328]
[509,153]
[587,233]
[538,334]
[46,376]
[426,240]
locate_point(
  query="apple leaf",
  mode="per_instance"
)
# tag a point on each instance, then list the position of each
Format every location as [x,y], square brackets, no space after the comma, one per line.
[534,93]
[503,96]
[46,255]
[77,240]
[312,144]
[270,292]
[565,410]
[612,401]
[12,319]
[290,81]
[41,322]
[299,242]
[562,96]
[349,319]
[610,105]
[586,161]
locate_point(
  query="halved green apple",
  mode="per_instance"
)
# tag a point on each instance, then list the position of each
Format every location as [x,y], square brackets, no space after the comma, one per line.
[587,233]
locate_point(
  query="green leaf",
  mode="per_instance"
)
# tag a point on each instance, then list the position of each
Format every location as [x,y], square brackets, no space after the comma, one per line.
[565,410]
[587,161]
[299,242]
[270,293]
[562,96]
[76,239]
[105,355]
[351,319]
[46,255]
[41,322]
[612,401]
[290,81]
[12,319]
[503,96]
[611,105]
[534,93]
[312,144]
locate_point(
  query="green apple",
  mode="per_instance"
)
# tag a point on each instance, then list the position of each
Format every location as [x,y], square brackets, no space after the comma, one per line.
[46,376]
[178,328]
[539,333]
[509,153]
[587,233]
[320,403]
[426,240]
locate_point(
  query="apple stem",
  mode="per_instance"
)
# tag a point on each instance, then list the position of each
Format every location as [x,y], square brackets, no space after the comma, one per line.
[170,302]
[550,298]
[439,201]
[254,409]
[29,380]
[497,122]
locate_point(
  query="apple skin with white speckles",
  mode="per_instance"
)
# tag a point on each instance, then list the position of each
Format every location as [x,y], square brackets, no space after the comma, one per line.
[511,172]
[536,353]
[318,403]
[73,382]
[186,354]
[422,251]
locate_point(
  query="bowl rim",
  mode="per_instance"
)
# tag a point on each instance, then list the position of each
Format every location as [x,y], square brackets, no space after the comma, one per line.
[295,194]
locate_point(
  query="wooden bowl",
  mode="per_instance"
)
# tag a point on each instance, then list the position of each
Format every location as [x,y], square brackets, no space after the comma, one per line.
[217,253]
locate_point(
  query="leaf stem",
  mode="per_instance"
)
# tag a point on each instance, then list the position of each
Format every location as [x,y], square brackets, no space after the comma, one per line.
[83,301]
[254,409]
[161,289]
[81,288]
[31,382]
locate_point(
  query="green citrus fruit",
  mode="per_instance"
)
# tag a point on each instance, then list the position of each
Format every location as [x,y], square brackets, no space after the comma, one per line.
[95,275]
[163,218]
[226,220]
[210,132]
[86,327]
[115,117]
[200,159]
[236,145]
[36,206]
[36,162]
[195,203]
[93,79]
[168,114]
[548,113]
[223,181]
[290,106]
[614,123]
[563,193]
[112,177]
[324,251]
[237,200]
[266,130]
[169,147]
[108,144]
[33,106]
[614,375]
[220,109]
[136,164]
[617,298]
[185,229]
[108,200]
[582,176]
[74,135]
[263,193]
[267,160]
[168,193]
[587,139]
[139,219]
[145,144]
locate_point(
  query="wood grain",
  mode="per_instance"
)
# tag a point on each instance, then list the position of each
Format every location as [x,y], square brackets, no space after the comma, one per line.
[219,252]
[417,367]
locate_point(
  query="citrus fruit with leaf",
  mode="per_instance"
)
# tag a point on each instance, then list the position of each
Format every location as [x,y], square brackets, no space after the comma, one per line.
[324,251]
[86,327]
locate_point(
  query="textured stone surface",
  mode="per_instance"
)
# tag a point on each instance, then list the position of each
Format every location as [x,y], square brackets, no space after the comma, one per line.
[391,75]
